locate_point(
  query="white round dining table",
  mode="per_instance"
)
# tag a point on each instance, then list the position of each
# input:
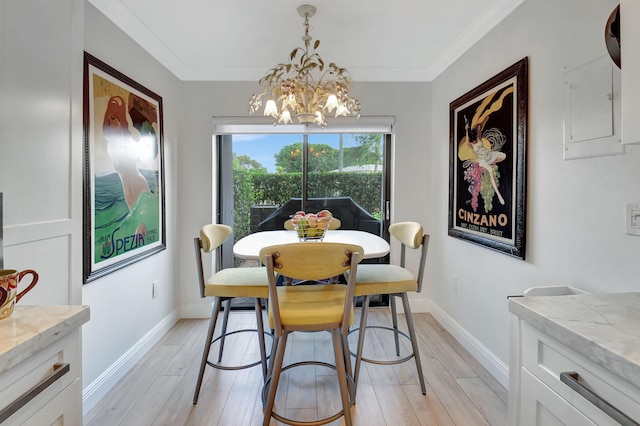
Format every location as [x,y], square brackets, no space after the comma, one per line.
[249,247]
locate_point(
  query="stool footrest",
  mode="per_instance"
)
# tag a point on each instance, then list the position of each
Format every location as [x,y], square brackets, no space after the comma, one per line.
[318,422]
[236,367]
[385,362]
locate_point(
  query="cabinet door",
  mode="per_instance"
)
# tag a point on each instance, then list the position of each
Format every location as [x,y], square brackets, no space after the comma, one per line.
[541,406]
[61,410]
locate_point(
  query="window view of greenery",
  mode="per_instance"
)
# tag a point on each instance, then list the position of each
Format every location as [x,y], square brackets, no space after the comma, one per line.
[267,172]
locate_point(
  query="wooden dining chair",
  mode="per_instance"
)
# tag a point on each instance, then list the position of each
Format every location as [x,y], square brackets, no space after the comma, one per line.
[225,285]
[395,281]
[314,307]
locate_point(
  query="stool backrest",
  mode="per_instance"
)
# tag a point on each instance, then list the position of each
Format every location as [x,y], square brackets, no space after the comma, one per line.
[411,234]
[211,237]
[311,261]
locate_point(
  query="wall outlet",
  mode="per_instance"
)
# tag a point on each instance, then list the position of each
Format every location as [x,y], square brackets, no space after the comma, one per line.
[154,290]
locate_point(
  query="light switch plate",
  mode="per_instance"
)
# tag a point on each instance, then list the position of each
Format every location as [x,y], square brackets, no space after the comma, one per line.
[633,219]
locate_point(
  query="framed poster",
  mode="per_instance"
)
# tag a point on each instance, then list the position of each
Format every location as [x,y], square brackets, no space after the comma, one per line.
[124,208]
[487,162]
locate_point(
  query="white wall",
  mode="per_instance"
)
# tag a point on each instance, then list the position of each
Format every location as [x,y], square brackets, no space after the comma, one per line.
[575,209]
[41,148]
[125,320]
[202,101]
[41,152]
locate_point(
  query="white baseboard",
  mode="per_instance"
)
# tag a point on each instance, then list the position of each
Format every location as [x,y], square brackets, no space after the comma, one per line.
[418,306]
[97,389]
[196,311]
[498,369]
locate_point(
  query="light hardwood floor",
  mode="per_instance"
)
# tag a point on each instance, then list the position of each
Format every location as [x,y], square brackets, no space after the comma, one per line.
[159,389]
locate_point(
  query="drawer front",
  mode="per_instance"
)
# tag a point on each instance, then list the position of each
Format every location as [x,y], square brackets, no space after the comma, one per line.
[61,410]
[540,405]
[546,359]
[34,382]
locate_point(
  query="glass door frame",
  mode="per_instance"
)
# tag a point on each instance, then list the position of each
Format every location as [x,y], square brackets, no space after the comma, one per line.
[225,127]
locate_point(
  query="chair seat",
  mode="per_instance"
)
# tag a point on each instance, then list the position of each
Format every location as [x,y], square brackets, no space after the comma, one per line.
[311,306]
[238,282]
[383,279]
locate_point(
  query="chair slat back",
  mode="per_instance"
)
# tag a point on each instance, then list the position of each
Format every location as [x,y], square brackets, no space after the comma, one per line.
[408,233]
[211,237]
[411,234]
[311,261]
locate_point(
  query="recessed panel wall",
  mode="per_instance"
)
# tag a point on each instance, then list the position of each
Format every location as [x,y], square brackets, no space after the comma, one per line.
[37,86]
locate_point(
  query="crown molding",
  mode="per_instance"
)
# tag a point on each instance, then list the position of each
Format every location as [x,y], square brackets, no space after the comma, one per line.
[122,17]
[478,28]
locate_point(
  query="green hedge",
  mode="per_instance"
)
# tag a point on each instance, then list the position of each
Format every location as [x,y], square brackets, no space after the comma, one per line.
[274,189]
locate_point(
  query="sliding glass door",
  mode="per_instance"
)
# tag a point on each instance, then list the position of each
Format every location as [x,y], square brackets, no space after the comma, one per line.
[266,178]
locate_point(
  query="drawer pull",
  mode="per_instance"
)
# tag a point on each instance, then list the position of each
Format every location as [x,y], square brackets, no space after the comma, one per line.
[59,370]
[572,379]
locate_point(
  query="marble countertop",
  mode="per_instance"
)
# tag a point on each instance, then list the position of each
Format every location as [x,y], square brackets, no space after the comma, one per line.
[32,328]
[604,328]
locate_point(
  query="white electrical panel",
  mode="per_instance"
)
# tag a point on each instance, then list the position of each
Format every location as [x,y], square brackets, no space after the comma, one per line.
[592,110]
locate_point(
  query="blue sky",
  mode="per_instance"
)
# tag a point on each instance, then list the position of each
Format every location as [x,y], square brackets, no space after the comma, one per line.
[263,147]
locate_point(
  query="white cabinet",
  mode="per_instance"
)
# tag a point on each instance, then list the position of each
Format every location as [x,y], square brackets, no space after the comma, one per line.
[61,410]
[41,365]
[46,385]
[576,343]
[540,405]
[630,58]
[544,399]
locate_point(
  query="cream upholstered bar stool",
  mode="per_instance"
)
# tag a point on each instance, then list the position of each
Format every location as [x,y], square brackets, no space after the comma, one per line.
[315,307]
[225,285]
[395,281]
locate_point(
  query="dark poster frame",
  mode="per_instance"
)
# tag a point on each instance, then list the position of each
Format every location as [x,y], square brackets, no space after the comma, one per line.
[487,163]
[124,194]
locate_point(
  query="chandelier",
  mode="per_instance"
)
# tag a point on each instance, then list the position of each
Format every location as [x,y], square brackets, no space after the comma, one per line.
[306,86]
